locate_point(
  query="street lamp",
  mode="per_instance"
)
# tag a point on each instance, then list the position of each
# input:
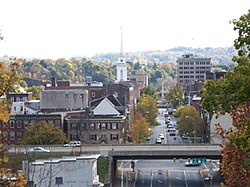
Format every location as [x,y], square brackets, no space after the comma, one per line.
[194,125]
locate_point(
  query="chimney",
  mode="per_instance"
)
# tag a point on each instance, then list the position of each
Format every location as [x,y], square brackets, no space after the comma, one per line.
[53,81]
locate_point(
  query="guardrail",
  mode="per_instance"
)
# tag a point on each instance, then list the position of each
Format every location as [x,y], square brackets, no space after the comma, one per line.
[119,147]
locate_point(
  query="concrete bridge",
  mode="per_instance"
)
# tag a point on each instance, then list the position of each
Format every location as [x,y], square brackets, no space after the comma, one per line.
[151,152]
[137,151]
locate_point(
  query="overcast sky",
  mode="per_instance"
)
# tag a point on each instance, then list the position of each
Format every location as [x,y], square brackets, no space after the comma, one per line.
[66,28]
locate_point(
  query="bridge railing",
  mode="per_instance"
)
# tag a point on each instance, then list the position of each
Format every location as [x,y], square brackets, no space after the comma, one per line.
[118,147]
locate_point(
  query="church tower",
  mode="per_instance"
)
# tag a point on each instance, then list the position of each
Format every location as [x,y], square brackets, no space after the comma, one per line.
[121,66]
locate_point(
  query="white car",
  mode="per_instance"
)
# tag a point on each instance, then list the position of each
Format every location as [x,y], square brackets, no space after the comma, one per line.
[161,136]
[39,149]
[158,140]
[191,164]
[73,144]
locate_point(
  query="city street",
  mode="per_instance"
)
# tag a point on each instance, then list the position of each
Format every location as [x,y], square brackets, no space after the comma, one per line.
[170,173]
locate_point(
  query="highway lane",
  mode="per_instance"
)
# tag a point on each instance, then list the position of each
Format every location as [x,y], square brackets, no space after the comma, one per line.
[156,173]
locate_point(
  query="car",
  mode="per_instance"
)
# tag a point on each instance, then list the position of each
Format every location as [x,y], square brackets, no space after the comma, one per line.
[170,126]
[39,149]
[159,172]
[73,144]
[158,140]
[190,163]
[161,136]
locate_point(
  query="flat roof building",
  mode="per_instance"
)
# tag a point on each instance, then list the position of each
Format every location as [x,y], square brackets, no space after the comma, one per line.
[191,69]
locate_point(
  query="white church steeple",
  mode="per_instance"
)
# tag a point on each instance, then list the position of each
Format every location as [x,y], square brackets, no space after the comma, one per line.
[121,66]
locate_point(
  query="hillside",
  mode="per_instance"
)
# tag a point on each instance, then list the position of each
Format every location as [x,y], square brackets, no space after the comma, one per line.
[218,55]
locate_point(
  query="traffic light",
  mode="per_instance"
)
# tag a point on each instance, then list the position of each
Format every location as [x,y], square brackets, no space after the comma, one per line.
[174,160]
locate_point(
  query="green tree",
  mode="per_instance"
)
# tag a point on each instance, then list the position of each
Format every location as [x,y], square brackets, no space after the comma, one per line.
[149,90]
[189,121]
[147,106]
[232,94]
[140,128]
[42,133]
[174,95]
[36,90]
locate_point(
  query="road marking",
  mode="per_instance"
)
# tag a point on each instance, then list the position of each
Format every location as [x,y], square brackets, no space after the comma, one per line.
[169,178]
[188,171]
[185,177]
[214,165]
[204,165]
[151,182]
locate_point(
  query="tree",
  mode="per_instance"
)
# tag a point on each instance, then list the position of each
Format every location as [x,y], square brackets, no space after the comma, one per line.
[140,128]
[35,91]
[149,90]
[232,94]
[147,106]
[189,122]
[174,95]
[42,133]
[8,78]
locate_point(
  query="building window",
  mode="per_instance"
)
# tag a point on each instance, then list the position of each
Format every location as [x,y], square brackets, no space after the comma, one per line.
[59,180]
[19,135]
[81,96]
[114,126]
[92,126]
[73,126]
[12,135]
[114,137]
[93,94]
[82,126]
[19,124]
[103,126]
[92,137]
[66,96]
[12,124]
[5,135]
[4,125]
[12,99]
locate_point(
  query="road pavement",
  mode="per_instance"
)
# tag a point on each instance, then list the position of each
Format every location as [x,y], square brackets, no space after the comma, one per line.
[156,173]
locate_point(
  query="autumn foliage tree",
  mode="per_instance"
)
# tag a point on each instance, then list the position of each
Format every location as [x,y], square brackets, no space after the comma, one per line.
[140,128]
[8,78]
[42,133]
[147,106]
[232,95]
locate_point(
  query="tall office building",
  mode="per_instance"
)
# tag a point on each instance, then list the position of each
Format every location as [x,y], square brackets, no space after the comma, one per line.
[191,69]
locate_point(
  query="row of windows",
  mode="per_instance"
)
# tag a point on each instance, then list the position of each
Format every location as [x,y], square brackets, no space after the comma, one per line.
[191,76]
[93,126]
[194,63]
[17,99]
[196,67]
[185,81]
[192,72]
[94,137]
[13,135]
[19,123]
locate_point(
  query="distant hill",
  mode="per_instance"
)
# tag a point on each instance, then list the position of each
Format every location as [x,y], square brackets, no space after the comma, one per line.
[218,55]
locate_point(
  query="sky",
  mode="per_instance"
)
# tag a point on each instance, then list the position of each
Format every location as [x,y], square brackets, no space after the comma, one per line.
[66,28]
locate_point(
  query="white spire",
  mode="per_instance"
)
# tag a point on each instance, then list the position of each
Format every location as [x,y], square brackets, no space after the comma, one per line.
[121,52]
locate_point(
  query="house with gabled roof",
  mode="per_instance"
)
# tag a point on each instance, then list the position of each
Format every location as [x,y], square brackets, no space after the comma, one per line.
[103,123]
